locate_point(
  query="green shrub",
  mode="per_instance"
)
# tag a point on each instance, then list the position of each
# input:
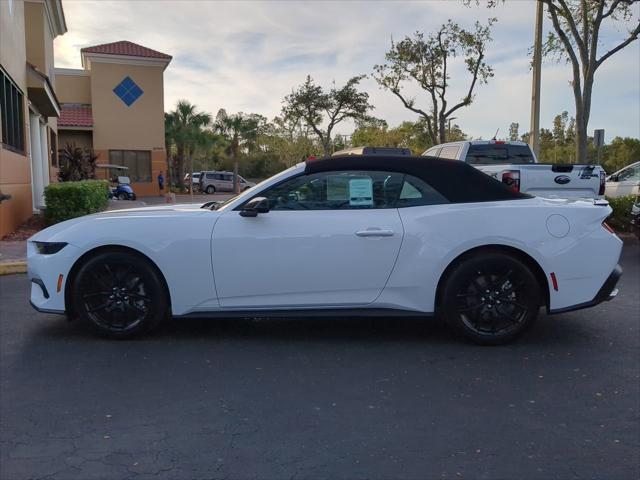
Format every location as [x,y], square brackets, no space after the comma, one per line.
[67,200]
[621,216]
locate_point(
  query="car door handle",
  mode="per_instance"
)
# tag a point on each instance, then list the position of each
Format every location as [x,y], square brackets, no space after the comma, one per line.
[374,232]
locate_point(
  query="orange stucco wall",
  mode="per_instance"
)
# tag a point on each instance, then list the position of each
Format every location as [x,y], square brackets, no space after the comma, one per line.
[142,189]
[73,88]
[15,180]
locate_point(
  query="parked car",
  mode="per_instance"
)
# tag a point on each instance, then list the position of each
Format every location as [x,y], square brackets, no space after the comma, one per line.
[353,235]
[196,179]
[635,217]
[216,181]
[625,181]
[515,164]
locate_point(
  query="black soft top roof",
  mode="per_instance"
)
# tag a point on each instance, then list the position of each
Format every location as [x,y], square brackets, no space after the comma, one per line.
[457,181]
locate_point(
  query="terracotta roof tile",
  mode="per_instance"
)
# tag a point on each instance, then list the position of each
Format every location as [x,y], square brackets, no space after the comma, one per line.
[126,48]
[75,116]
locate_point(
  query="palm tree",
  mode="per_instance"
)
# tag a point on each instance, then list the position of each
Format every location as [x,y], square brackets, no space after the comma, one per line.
[241,130]
[185,128]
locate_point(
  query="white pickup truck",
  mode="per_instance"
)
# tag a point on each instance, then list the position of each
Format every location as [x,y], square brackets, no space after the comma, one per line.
[515,164]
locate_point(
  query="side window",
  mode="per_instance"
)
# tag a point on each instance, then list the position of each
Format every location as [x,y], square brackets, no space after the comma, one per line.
[632,173]
[338,190]
[432,152]
[227,178]
[487,155]
[450,152]
[210,176]
[416,192]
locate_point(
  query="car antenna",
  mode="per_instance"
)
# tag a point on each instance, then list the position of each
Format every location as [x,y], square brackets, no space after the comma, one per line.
[494,137]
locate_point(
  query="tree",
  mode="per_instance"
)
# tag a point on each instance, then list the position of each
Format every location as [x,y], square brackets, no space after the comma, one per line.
[576,37]
[76,163]
[426,62]
[241,130]
[559,127]
[620,153]
[184,129]
[322,110]
[577,25]
[513,131]
[289,139]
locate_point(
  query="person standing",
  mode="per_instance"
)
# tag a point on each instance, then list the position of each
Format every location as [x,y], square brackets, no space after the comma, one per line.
[161,182]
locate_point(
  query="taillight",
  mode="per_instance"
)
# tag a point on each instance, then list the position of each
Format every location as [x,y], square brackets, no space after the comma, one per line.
[602,182]
[511,178]
[608,228]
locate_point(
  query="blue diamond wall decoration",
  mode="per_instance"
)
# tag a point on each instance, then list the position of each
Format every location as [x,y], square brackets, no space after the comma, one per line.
[128,91]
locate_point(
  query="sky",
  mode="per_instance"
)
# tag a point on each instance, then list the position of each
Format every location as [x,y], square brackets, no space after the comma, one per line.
[246,56]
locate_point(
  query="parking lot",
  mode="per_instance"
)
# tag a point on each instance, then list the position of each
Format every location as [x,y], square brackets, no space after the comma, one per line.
[321,398]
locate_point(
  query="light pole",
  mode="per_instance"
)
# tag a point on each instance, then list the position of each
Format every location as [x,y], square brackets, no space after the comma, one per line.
[534,132]
[449,126]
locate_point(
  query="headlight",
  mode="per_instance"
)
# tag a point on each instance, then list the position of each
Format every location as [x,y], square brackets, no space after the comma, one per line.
[49,248]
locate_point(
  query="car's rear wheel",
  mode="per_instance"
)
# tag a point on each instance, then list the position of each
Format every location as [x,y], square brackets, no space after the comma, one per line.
[119,294]
[211,189]
[491,298]
[123,196]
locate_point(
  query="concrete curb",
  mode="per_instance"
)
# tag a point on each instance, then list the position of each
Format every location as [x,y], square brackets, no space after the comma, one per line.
[8,268]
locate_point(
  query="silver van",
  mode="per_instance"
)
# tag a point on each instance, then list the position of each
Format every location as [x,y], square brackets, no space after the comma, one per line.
[217,181]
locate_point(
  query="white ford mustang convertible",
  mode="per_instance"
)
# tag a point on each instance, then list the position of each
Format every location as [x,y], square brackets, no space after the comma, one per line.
[358,235]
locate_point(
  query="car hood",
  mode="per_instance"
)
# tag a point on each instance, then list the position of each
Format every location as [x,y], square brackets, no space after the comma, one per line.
[54,232]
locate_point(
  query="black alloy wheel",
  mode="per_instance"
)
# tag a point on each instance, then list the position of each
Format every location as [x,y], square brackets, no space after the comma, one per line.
[491,298]
[119,294]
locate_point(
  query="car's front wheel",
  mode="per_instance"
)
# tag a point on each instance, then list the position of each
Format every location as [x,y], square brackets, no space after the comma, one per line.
[211,189]
[491,298]
[119,294]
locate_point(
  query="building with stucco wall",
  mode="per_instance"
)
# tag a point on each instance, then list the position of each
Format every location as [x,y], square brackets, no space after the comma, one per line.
[115,105]
[29,107]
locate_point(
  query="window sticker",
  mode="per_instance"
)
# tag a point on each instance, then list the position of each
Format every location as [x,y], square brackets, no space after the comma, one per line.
[361,192]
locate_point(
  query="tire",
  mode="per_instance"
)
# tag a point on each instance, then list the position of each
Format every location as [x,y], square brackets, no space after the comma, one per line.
[119,295]
[123,196]
[491,298]
[211,189]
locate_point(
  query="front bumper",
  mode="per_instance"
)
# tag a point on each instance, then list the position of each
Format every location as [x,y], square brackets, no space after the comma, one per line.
[44,271]
[607,292]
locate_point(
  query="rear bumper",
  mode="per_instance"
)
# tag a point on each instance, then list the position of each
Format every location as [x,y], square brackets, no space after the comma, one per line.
[607,292]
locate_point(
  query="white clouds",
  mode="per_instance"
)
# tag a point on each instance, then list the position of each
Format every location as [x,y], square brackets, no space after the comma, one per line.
[245,56]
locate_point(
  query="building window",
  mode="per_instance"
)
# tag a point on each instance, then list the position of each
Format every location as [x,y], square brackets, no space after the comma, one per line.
[12,111]
[53,146]
[138,163]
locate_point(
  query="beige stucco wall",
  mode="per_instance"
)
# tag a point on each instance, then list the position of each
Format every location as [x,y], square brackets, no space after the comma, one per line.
[12,42]
[138,127]
[116,126]
[15,169]
[73,88]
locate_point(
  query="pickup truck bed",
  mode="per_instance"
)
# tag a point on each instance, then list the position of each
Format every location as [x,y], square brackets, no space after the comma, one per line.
[515,164]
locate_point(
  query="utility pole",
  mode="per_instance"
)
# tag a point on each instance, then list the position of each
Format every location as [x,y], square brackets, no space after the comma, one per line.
[534,132]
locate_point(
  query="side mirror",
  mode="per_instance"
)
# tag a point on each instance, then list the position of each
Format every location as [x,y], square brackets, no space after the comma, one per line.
[612,178]
[255,206]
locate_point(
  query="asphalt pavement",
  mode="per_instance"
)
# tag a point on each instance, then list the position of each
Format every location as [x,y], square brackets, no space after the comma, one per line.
[321,398]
